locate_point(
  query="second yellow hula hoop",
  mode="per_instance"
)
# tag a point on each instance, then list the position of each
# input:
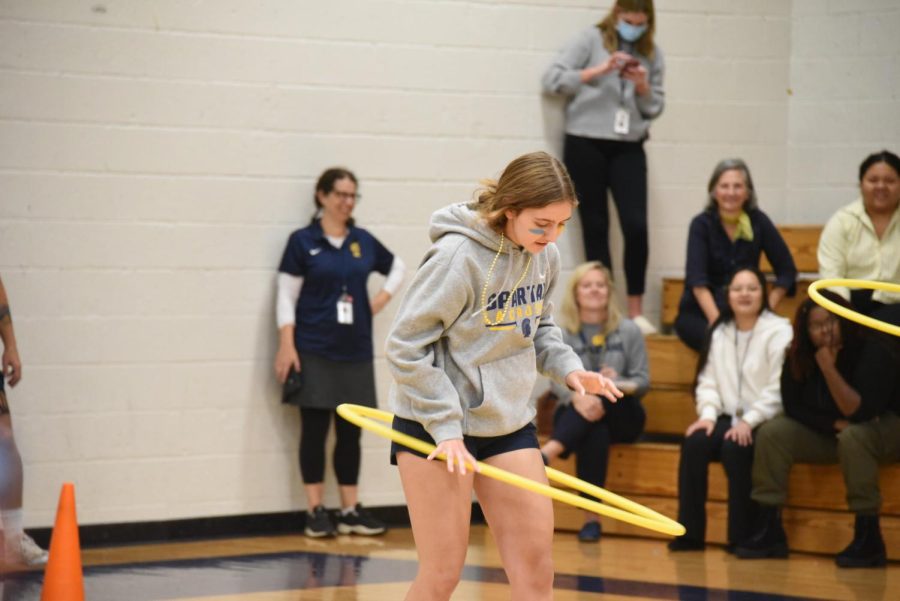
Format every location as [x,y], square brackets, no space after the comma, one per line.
[617,507]
[859,318]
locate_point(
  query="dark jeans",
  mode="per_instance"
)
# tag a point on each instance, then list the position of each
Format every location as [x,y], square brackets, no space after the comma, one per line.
[314,426]
[697,451]
[590,441]
[597,166]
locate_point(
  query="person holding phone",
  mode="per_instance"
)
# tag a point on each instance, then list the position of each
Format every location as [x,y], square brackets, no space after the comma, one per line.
[612,74]
[324,357]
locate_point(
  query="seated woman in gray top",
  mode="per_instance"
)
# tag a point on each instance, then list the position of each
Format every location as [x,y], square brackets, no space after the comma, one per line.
[587,424]
[612,75]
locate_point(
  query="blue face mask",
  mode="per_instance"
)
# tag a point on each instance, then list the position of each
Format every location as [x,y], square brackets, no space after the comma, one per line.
[629,32]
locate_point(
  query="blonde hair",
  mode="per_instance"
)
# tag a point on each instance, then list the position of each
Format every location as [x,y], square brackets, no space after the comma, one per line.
[568,310]
[610,36]
[531,181]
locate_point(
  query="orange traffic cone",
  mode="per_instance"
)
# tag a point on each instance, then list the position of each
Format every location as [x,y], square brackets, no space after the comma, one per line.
[62,578]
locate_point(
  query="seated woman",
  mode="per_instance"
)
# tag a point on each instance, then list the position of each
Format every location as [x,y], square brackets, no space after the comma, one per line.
[593,326]
[737,390]
[841,392]
[729,234]
[862,240]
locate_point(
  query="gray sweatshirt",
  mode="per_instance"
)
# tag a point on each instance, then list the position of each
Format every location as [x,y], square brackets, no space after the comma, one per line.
[454,373]
[592,107]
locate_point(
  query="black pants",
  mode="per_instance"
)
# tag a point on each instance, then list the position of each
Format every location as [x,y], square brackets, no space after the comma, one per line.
[314,426]
[691,324]
[590,441]
[597,166]
[697,451]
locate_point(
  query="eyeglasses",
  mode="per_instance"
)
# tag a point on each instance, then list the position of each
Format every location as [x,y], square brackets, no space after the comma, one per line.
[346,195]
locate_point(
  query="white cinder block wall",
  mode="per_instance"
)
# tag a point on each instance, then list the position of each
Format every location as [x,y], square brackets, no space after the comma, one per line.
[845,78]
[155,156]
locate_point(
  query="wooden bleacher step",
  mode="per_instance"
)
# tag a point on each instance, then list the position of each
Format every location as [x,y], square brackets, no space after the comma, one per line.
[816,517]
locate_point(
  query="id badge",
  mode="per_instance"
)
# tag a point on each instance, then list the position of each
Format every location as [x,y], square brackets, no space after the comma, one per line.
[345,310]
[620,125]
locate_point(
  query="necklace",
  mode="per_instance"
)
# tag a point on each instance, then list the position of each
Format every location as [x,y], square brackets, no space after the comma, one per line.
[487,280]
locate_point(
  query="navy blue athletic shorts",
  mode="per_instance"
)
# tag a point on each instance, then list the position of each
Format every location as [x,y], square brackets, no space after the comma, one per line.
[481,447]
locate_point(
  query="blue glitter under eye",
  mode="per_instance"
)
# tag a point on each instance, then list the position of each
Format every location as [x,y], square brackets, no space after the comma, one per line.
[537,232]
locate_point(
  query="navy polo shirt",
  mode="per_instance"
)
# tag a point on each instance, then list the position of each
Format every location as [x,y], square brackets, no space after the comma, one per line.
[327,273]
[712,256]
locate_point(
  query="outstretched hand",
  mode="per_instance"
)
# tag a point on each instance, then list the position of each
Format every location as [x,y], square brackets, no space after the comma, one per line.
[584,382]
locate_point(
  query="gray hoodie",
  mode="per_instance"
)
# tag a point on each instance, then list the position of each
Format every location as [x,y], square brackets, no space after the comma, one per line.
[454,373]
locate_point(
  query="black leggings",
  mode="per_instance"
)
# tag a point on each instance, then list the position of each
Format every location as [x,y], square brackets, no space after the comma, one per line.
[597,166]
[590,441]
[697,451]
[314,426]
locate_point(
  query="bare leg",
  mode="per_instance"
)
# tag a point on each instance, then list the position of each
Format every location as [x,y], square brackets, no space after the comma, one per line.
[635,305]
[11,474]
[440,507]
[314,494]
[522,525]
[349,495]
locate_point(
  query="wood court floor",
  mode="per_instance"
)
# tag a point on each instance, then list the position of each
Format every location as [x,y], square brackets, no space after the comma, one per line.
[292,567]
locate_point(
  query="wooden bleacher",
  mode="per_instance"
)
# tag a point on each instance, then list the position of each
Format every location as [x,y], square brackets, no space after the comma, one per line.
[816,517]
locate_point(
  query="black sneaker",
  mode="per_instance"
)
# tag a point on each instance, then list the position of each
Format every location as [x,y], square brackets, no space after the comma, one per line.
[318,523]
[360,521]
[590,532]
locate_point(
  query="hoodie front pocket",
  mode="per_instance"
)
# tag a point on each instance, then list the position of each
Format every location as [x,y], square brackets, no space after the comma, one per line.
[506,386]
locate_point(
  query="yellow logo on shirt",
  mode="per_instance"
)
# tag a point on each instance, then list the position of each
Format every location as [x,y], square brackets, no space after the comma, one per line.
[598,340]
[355,250]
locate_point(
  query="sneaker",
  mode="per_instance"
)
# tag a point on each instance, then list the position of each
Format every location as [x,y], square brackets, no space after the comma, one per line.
[590,532]
[644,325]
[318,523]
[21,549]
[360,521]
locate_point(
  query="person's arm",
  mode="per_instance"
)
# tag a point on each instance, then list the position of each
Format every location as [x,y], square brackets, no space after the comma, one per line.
[793,398]
[650,96]
[768,404]
[832,252]
[288,292]
[391,285]
[708,399]
[11,363]
[697,264]
[779,256]
[570,70]
[435,299]
[845,396]
[637,366]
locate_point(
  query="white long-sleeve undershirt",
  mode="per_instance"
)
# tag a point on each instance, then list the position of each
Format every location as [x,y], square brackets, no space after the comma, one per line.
[289,287]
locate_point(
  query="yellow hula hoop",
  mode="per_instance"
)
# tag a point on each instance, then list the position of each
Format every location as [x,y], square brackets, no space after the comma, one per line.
[859,318]
[624,510]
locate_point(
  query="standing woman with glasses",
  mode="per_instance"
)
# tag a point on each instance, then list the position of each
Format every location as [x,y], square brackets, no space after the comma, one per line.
[612,74]
[737,389]
[324,357]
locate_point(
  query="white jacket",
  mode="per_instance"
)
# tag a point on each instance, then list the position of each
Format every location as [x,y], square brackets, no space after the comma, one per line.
[750,391]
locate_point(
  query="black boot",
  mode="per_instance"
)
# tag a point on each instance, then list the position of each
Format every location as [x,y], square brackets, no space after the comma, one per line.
[768,540]
[867,548]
